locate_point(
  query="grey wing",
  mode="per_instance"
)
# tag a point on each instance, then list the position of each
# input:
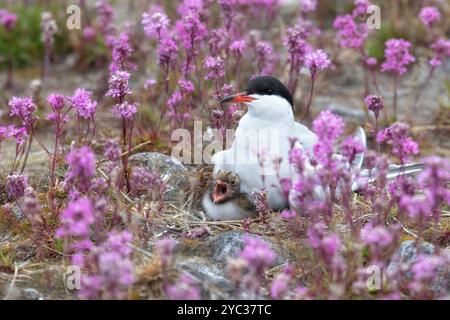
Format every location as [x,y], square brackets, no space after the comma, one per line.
[306,137]
[359,159]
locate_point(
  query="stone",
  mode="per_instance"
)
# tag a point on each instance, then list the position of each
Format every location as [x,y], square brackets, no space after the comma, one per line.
[170,170]
[227,245]
[353,114]
[406,256]
[209,278]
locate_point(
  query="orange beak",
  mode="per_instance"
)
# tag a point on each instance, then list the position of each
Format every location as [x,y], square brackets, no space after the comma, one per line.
[238,97]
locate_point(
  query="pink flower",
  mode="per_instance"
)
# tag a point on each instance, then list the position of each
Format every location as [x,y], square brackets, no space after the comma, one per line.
[280,284]
[125,110]
[350,148]
[82,103]
[350,33]
[238,47]
[326,245]
[397,136]
[16,184]
[376,236]
[8,19]
[328,126]
[360,8]
[118,85]
[23,108]
[76,219]
[214,68]
[81,169]
[308,5]
[441,49]
[186,86]
[154,23]
[183,289]
[164,248]
[316,61]
[296,40]
[331,244]
[167,51]
[121,54]
[374,104]
[257,253]
[19,134]
[190,30]
[397,56]
[112,150]
[429,16]
[56,101]
[89,33]
[426,267]
[49,29]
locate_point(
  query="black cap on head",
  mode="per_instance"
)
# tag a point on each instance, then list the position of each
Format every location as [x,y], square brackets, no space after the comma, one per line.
[266,85]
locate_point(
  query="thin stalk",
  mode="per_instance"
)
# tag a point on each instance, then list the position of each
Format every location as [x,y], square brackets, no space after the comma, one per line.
[395,95]
[311,94]
[125,157]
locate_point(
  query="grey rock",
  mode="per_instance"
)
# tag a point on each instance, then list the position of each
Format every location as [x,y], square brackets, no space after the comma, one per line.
[228,245]
[31,294]
[165,165]
[407,253]
[170,170]
[207,262]
[405,258]
[353,114]
[211,279]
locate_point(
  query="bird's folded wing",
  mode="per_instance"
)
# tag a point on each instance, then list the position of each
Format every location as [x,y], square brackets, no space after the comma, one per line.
[306,137]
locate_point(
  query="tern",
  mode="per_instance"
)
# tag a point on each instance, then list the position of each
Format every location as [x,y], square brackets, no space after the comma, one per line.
[264,134]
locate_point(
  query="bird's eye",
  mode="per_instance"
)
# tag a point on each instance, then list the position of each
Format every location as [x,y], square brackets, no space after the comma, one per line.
[233,182]
[269,91]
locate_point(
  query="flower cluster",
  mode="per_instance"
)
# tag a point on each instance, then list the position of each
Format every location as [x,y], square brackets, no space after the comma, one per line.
[215,68]
[155,24]
[76,219]
[125,110]
[328,128]
[351,34]
[23,108]
[397,136]
[326,245]
[374,104]
[16,184]
[397,56]
[308,5]
[81,169]
[8,19]
[316,61]
[81,101]
[441,49]
[121,54]
[257,254]
[118,85]
[108,267]
[183,289]
[49,29]
[429,16]
[165,248]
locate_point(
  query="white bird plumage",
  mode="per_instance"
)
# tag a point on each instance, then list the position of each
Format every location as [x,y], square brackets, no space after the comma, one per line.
[263,133]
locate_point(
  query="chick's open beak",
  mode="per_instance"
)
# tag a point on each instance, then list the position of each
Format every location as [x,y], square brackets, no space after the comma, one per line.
[238,97]
[220,191]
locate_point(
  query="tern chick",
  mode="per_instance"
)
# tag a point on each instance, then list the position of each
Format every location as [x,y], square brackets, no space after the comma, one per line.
[223,199]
